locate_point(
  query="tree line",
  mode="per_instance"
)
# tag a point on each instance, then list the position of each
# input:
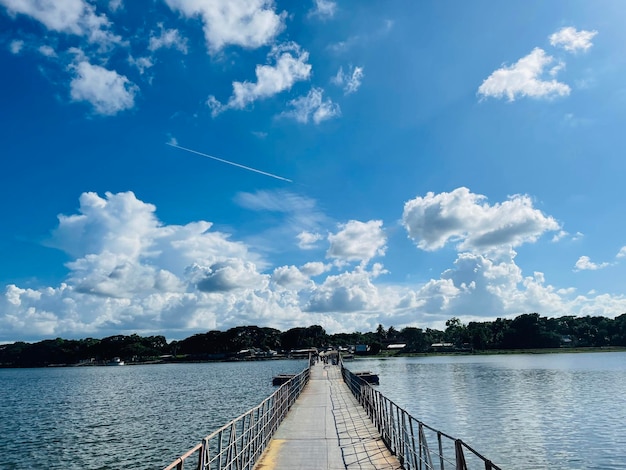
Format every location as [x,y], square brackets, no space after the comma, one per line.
[527,331]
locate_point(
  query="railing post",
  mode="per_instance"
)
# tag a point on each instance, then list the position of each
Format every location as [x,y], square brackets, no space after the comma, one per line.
[440,449]
[460,457]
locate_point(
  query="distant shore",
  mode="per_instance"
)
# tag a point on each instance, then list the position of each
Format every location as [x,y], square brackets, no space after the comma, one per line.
[485,352]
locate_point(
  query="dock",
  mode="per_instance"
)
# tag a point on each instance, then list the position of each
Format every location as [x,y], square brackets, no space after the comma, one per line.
[329,418]
[327,429]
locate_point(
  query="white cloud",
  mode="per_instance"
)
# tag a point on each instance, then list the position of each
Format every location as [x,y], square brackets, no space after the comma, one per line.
[584,263]
[290,67]
[315,268]
[142,63]
[16,46]
[324,8]
[106,90]
[290,277]
[115,5]
[463,217]
[572,40]
[226,275]
[167,38]
[621,253]
[351,81]
[308,240]
[245,23]
[47,51]
[357,241]
[346,292]
[312,106]
[67,16]
[131,273]
[524,78]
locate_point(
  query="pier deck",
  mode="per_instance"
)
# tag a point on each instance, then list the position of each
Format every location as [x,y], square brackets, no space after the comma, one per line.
[327,429]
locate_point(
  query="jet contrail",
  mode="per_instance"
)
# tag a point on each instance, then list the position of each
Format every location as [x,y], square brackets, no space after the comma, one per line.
[230,163]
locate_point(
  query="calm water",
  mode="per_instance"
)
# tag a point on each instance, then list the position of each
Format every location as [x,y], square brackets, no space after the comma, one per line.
[132,417]
[556,411]
[552,411]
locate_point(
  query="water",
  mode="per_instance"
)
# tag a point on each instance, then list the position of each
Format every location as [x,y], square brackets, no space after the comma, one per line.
[138,417]
[552,411]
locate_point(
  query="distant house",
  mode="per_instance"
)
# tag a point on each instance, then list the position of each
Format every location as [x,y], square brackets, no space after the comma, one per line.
[396,346]
[442,347]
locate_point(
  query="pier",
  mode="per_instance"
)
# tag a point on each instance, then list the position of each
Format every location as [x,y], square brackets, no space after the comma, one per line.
[328,418]
[327,429]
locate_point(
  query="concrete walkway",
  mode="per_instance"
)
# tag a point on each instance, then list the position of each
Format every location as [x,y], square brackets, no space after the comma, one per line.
[327,429]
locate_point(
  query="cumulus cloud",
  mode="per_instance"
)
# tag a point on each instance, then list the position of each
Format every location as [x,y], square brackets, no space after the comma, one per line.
[572,40]
[346,292]
[464,218]
[313,107]
[167,38]
[308,240]
[584,263]
[69,16]
[324,8]
[484,284]
[350,81]
[226,275]
[106,90]
[290,277]
[245,23]
[315,268]
[357,241]
[290,66]
[621,253]
[131,273]
[524,79]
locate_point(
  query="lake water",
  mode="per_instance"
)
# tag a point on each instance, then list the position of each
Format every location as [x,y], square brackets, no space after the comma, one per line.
[547,411]
[131,417]
[553,411]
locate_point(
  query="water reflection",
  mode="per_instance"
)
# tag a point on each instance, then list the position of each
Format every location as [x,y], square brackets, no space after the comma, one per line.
[522,411]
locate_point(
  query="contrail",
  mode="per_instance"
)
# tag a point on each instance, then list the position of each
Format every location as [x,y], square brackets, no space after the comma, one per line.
[230,163]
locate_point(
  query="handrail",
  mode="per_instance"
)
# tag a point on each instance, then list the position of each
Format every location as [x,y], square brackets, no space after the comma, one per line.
[238,444]
[408,438]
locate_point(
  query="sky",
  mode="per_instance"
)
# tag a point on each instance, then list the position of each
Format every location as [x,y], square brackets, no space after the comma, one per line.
[178,166]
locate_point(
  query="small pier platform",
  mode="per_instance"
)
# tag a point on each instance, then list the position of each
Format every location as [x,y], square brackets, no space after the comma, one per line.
[327,429]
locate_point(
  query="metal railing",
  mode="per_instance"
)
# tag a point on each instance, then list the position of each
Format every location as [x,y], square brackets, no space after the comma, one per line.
[417,445]
[238,444]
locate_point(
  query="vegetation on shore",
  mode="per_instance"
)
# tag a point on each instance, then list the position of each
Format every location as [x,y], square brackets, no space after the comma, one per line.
[525,333]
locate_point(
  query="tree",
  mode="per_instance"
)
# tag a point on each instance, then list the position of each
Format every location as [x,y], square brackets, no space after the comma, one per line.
[456,332]
[414,339]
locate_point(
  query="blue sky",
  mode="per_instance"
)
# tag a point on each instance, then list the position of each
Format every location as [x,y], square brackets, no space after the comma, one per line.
[435,159]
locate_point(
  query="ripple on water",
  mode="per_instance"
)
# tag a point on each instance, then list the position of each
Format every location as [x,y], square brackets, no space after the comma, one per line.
[551,411]
[122,417]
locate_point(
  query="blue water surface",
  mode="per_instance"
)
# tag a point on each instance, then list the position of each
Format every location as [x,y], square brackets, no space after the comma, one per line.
[524,412]
[138,417]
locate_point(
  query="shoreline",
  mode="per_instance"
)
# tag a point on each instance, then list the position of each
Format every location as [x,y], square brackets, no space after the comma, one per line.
[494,352]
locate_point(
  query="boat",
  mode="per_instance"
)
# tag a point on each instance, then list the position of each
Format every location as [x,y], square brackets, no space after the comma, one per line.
[116,361]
